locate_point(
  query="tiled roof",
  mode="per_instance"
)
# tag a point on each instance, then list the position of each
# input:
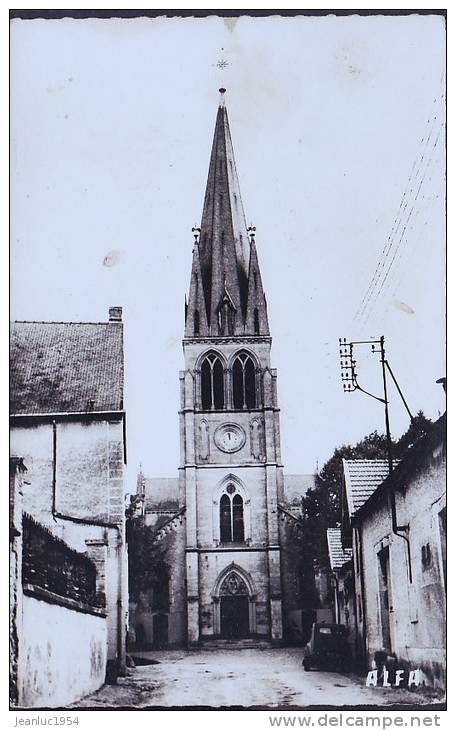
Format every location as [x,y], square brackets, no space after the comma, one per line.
[338,555]
[362,477]
[429,449]
[66,367]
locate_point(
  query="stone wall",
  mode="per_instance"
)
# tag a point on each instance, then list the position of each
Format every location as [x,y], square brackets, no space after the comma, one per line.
[89,486]
[144,625]
[88,474]
[291,572]
[62,653]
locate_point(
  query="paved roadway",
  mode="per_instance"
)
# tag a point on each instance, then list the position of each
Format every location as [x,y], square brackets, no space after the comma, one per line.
[247,678]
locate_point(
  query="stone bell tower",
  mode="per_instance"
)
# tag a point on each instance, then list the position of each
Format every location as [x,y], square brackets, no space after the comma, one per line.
[231,476]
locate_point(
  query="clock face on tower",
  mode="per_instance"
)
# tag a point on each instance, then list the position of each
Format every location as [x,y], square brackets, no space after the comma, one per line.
[229,437]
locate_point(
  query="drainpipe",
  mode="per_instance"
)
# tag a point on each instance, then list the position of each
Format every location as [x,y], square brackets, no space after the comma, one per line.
[355,616]
[93,523]
[397,529]
[363,591]
[336,597]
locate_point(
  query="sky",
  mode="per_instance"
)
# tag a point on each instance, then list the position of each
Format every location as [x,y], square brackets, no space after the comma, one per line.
[338,132]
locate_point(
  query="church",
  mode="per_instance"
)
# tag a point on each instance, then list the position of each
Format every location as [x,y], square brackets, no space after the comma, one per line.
[227,526]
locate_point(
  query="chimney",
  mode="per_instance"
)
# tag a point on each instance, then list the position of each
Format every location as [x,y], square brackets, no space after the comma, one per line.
[115,314]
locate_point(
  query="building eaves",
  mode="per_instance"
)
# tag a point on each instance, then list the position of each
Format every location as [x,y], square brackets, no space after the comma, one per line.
[430,448]
[338,555]
[362,478]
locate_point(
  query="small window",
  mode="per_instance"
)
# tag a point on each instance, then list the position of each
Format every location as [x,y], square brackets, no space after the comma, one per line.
[226,318]
[196,323]
[256,321]
[426,556]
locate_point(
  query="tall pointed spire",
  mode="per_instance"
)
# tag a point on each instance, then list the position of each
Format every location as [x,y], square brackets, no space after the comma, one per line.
[224,257]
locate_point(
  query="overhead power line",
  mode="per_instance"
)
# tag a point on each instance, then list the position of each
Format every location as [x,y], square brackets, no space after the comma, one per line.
[408,203]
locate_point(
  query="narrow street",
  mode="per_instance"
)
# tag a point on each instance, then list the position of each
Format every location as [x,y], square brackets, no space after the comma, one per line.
[246,678]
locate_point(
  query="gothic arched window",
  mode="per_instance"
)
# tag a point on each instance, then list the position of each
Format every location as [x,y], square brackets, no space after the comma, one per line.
[226,314]
[244,390]
[226,533]
[212,385]
[238,518]
[231,516]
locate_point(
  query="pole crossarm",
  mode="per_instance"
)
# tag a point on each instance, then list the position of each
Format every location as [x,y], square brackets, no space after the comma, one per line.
[350,381]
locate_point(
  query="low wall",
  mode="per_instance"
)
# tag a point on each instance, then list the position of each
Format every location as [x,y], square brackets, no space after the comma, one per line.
[62,650]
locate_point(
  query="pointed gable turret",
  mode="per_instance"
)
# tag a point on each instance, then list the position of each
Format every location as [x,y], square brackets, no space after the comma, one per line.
[223,261]
[196,317]
[256,321]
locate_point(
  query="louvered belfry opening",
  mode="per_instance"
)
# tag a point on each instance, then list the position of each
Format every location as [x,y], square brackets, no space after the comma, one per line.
[212,383]
[244,391]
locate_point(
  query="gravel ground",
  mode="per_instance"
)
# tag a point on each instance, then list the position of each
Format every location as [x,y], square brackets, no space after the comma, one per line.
[269,678]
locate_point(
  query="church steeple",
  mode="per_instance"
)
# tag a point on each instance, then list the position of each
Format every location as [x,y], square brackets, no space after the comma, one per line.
[226,295]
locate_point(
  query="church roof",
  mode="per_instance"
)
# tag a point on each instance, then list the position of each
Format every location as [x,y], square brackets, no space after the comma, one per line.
[295,486]
[362,477]
[161,494]
[225,271]
[338,555]
[66,367]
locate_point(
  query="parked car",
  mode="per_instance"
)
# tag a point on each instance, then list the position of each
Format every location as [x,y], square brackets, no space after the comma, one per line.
[328,648]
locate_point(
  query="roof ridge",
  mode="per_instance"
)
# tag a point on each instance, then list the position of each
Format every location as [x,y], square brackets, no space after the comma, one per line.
[52,321]
[370,460]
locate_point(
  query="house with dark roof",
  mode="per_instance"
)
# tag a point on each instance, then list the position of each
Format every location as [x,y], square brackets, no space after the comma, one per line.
[67,423]
[396,526]
[341,566]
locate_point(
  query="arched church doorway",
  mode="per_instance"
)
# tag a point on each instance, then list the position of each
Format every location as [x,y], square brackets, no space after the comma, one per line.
[236,607]
[234,617]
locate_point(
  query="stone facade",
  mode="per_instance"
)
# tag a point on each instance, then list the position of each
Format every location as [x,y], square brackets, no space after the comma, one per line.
[401,602]
[74,484]
[239,572]
[68,429]
[16,487]
[257,474]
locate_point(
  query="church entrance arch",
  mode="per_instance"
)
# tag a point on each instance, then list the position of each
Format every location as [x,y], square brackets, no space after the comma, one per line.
[234,602]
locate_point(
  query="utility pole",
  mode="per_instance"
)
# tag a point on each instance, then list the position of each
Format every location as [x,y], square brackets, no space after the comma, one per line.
[385,394]
[350,384]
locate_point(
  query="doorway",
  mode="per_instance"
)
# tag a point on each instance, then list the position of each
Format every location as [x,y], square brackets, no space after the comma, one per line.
[385,596]
[160,629]
[234,617]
